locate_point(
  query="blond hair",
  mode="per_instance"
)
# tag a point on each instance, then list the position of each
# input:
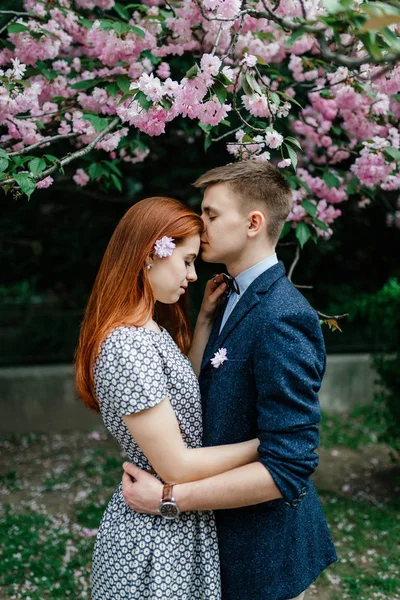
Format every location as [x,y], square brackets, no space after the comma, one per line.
[258,185]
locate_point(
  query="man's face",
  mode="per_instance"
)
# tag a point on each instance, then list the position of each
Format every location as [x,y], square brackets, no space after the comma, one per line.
[225,235]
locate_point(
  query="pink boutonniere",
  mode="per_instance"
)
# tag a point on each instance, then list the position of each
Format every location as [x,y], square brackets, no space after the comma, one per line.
[219,358]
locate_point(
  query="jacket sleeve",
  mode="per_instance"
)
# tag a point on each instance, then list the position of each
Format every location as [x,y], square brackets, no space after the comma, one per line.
[289,363]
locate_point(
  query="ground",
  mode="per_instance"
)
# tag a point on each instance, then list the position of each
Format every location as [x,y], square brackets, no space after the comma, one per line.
[54,489]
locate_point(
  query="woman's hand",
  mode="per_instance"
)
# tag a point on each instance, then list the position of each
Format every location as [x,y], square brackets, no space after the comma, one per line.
[213,297]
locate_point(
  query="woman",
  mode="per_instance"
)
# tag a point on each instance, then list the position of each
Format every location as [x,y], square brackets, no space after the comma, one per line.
[131,366]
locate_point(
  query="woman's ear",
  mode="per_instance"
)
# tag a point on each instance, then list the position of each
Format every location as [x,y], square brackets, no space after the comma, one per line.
[256,223]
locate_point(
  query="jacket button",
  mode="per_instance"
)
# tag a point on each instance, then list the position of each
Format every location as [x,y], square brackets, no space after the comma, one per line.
[295,502]
[304,489]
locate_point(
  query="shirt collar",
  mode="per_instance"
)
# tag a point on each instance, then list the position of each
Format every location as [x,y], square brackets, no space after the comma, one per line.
[247,277]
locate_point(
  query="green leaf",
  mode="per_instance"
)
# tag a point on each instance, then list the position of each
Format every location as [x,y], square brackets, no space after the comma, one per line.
[85,85]
[138,31]
[86,23]
[123,82]
[331,180]
[52,159]
[3,164]
[26,183]
[392,154]
[292,156]
[314,235]
[112,89]
[205,128]
[130,94]
[17,28]
[289,98]
[193,71]
[309,207]
[379,21]
[353,185]
[207,142]
[293,140]
[143,100]
[95,170]
[98,122]
[223,79]
[304,185]
[302,232]
[121,11]
[286,229]
[166,103]
[246,87]
[37,165]
[320,224]
[253,83]
[332,6]
[274,98]
[113,167]
[261,60]
[116,182]
[220,91]
[3,153]
[295,36]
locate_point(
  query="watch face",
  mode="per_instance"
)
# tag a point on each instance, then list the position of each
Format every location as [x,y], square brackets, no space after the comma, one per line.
[169,510]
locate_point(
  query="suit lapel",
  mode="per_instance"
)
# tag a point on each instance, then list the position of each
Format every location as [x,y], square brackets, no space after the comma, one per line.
[213,336]
[249,300]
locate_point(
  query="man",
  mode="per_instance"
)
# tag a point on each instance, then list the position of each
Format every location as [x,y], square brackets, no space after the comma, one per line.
[260,375]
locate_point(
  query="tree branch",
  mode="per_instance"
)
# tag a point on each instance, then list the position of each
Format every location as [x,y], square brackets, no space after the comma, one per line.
[338,317]
[16,13]
[294,263]
[7,24]
[217,40]
[44,141]
[70,157]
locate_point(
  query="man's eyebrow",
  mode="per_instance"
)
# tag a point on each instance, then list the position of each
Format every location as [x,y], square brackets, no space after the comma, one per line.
[208,209]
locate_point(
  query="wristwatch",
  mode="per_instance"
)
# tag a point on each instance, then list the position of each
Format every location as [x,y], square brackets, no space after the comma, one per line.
[168,507]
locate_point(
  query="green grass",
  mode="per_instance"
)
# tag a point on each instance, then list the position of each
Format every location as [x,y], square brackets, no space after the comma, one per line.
[47,538]
[367,543]
[360,428]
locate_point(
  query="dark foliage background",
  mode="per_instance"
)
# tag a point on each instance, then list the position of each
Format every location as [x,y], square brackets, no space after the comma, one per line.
[51,248]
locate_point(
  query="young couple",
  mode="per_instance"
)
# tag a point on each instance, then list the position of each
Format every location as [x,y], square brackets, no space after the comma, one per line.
[234,429]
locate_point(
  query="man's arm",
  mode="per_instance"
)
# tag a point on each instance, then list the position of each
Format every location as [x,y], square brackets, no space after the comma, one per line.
[244,486]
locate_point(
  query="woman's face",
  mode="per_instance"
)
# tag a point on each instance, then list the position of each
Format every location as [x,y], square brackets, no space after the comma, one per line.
[170,276]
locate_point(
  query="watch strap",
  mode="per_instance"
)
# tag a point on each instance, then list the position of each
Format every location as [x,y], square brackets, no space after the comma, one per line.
[167,492]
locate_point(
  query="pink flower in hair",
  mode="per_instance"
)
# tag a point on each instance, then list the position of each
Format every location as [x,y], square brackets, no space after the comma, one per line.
[164,247]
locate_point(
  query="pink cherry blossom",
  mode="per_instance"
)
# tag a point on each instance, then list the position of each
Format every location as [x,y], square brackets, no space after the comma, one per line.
[45,183]
[81,178]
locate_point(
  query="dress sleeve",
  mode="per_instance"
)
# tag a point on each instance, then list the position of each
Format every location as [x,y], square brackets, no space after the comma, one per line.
[129,374]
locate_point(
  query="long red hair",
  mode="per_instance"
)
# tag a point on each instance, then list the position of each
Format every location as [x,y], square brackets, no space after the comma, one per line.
[122,293]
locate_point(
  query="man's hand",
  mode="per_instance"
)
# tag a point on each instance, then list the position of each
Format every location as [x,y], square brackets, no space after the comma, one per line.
[144,494]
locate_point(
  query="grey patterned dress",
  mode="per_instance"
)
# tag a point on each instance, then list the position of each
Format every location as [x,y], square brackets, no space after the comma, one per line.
[137,556]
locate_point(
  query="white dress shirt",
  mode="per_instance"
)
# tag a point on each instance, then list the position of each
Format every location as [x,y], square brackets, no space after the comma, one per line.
[245,279]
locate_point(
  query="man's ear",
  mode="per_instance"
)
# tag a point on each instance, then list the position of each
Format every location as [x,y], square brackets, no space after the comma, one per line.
[256,222]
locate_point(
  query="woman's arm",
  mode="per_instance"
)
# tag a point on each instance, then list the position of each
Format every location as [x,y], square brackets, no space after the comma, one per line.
[156,431]
[213,294]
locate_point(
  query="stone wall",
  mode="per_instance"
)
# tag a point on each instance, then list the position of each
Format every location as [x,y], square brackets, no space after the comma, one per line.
[42,398]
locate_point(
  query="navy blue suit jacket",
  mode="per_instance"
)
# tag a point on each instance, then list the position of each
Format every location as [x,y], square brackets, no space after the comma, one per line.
[268,389]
